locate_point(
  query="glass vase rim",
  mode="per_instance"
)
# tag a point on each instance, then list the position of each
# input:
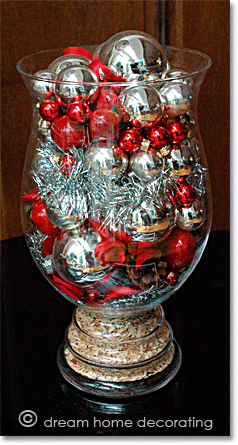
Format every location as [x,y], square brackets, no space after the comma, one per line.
[118,83]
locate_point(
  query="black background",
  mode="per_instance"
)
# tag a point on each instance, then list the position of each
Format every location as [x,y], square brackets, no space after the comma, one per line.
[35,317]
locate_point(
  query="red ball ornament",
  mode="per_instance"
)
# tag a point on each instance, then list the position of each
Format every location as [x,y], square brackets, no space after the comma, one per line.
[177,132]
[40,218]
[185,194]
[134,123]
[160,121]
[158,137]
[104,124]
[179,249]
[78,99]
[49,110]
[130,140]
[66,133]
[78,112]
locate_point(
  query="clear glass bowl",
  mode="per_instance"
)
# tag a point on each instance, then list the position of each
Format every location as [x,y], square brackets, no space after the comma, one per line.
[116,204]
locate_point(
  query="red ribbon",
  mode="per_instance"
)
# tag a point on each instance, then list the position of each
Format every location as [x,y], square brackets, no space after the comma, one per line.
[96,65]
[79,51]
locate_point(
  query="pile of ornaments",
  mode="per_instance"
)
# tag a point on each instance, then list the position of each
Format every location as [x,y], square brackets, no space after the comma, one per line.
[119,191]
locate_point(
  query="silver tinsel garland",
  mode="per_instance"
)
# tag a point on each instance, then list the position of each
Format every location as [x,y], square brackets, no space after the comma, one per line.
[66,193]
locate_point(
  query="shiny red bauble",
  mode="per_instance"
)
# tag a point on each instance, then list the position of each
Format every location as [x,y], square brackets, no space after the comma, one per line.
[177,132]
[185,194]
[40,218]
[78,112]
[104,124]
[130,140]
[179,249]
[134,123]
[66,133]
[49,110]
[158,137]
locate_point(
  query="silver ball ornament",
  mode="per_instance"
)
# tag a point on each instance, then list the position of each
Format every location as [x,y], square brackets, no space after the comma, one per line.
[44,84]
[107,162]
[177,75]
[131,54]
[176,98]
[191,218]
[152,220]
[64,215]
[63,62]
[181,160]
[146,165]
[76,81]
[142,103]
[74,260]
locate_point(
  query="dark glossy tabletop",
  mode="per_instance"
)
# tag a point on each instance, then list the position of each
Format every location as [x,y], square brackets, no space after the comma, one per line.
[35,316]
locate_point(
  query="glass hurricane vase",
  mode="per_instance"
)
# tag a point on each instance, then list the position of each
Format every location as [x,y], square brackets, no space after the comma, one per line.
[116,206]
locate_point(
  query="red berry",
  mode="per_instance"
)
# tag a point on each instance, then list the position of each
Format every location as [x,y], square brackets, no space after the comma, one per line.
[179,249]
[66,134]
[40,218]
[49,110]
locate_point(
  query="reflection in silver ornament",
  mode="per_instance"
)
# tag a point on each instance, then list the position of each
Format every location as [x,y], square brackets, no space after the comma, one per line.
[150,76]
[74,260]
[188,119]
[176,98]
[191,218]
[63,62]
[142,103]
[131,54]
[76,81]
[44,129]
[146,165]
[177,75]
[104,161]
[43,87]
[152,220]
[62,211]
[181,160]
